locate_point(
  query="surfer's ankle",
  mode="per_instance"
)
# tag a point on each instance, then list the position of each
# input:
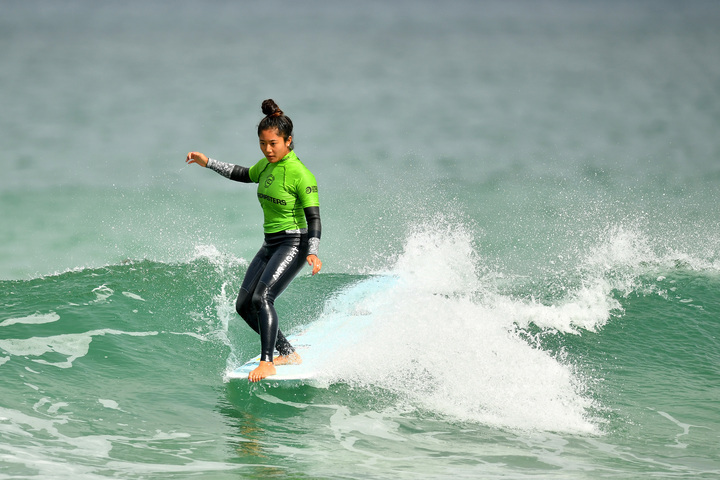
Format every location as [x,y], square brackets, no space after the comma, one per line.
[293,358]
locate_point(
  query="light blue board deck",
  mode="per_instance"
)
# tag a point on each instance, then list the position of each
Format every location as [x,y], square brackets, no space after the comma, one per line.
[334,334]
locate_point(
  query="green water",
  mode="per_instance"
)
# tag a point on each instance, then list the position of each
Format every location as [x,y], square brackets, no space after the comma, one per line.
[119,370]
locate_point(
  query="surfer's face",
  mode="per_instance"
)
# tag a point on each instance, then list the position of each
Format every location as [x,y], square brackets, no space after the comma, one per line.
[273,146]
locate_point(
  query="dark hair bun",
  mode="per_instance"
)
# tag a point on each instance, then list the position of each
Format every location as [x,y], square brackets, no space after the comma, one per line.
[275,119]
[270,108]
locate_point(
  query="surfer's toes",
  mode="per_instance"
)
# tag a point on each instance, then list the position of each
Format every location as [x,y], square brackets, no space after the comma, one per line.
[263,371]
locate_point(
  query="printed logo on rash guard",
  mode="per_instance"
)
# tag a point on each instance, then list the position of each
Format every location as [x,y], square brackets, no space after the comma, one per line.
[312,189]
[269,180]
[270,199]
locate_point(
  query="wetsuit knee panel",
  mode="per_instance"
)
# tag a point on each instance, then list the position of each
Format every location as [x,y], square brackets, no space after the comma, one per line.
[242,304]
[261,296]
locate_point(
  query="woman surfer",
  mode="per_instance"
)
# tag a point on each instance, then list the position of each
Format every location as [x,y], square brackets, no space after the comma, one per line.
[288,194]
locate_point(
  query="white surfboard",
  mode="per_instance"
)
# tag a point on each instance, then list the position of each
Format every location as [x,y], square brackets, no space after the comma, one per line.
[333,334]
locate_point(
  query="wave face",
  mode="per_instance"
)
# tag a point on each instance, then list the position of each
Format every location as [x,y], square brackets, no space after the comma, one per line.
[111,365]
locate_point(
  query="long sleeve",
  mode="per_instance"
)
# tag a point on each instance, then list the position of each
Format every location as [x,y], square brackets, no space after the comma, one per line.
[228,170]
[312,215]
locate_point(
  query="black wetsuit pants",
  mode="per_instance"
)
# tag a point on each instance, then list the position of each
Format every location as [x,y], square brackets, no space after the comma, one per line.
[278,261]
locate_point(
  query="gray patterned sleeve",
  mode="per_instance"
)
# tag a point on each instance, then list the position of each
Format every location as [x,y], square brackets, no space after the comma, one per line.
[228,170]
[224,169]
[314,246]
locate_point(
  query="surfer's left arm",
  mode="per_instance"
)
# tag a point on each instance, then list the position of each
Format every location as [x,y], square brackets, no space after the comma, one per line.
[312,215]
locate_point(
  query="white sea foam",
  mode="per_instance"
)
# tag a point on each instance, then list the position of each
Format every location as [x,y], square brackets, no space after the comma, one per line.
[209,252]
[102,293]
[440,340]
[107,403]
[218,259]
[35,319]
[50,460]
[134,296]
[72,345]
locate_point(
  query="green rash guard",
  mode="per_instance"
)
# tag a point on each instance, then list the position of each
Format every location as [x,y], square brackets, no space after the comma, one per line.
[284,189]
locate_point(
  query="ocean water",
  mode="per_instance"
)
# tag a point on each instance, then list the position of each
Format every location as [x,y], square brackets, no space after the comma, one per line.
[520,206]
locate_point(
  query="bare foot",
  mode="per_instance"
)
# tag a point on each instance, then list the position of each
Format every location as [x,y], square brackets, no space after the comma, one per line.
[292,359]
[264,370]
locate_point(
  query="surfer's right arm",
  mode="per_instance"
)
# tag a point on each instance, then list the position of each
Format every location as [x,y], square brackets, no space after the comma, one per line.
[227,170]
